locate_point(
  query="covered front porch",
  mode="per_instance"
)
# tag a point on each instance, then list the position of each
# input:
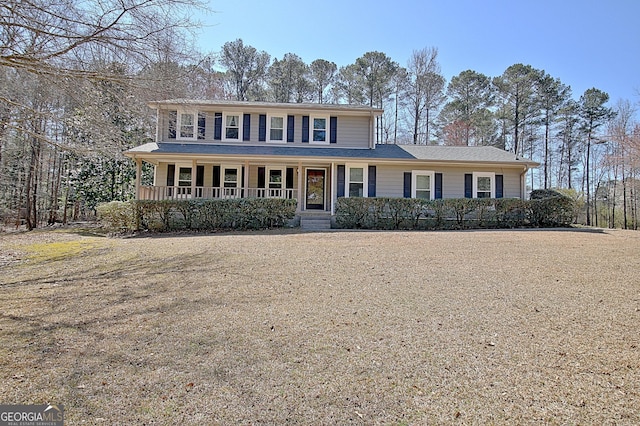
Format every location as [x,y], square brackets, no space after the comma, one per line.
[311,184]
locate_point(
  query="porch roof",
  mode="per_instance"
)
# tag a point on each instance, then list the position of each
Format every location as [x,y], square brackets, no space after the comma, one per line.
[381,151]
[434,153]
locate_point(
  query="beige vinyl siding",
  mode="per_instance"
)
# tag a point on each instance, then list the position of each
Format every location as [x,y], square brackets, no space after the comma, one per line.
[390,179]
[353,132]
[512,182]
[160,175]
[163,122]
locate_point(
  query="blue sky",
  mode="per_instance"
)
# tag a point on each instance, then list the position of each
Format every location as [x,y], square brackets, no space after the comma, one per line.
[584,43]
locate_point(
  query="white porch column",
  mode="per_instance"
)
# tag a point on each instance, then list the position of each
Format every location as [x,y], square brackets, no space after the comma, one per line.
[138,177]
[300,194]
[333,188]
[245,180]
[194,174]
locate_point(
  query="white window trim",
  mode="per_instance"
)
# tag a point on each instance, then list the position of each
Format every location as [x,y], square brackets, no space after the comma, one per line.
[365,178]
[268,170]
[477,175]
[327,137]
[284,128]
[224,126]
[179,114]
[414,182]
[238,169]
[177,177]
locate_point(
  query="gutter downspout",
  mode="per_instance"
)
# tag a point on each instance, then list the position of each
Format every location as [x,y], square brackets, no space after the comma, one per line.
[523,188]
[371,124]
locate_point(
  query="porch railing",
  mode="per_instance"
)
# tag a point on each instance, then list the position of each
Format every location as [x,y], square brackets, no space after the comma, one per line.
[203,192]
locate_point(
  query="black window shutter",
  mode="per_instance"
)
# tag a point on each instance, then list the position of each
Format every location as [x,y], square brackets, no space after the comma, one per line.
[333,129]
[290,127]
[438,186]
[289,178]
[468,185]
[372,181]
[173,122]
[499,186]
[199,175]
[261,177]
[246,127]
[340,181]
[202,125]
[217,126]
[171,174]
[305,129]
[216,176]
[407,184]
[262,128]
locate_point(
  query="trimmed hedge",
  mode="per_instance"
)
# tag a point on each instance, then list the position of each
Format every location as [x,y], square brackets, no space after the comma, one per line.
[200,215]
[545,210]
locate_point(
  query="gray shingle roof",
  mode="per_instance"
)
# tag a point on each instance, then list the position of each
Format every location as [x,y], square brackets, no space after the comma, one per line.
[452,154]
[262,105]
[462,153]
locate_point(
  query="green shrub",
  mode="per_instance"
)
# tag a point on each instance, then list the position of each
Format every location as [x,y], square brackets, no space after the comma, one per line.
[202,215]
[546,209]
[550,208]
[117,216]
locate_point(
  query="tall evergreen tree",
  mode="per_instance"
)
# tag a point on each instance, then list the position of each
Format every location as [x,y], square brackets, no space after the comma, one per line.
[552,95]
[516,90]
[593,114]
[466,118]
[288,79]
[246,68]
[321,74]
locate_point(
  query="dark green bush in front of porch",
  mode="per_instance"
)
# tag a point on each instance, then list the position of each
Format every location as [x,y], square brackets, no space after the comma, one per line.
[199,215]
[543,210]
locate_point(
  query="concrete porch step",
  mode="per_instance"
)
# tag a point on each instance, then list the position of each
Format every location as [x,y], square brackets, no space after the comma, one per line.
[315,223]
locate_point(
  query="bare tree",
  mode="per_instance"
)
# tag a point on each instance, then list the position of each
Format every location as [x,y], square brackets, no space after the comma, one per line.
[424,90]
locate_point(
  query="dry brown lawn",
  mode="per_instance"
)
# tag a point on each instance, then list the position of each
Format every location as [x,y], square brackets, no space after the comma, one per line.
[484,327]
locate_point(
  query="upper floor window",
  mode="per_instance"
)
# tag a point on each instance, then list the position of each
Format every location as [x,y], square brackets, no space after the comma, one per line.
[186,126]
[232,127]
[189,125]
[422,184]
[320,129]
[276,128]
[483,185]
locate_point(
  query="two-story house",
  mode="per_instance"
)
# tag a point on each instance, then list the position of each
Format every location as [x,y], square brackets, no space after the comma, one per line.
[314,153]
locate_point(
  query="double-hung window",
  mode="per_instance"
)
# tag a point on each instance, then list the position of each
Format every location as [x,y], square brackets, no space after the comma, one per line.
[484,185]
[184,176]
[187,125]
[320,129]
[276,128]
[232,127]
[422,185]
[231,177]
[184,181]
[356,180]
[276,179]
